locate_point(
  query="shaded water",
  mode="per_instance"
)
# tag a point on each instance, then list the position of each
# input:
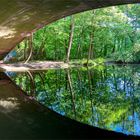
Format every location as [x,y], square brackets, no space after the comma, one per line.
[106,97]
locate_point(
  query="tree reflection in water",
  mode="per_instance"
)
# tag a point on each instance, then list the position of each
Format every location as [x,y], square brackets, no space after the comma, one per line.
[106,97]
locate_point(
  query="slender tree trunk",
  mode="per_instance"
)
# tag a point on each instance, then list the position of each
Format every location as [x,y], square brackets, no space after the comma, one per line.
[92,54]
[80,42]
[65,47]
[78,49]
[25,48]
[72,25]
[90,48]
[30,41]
[114,46]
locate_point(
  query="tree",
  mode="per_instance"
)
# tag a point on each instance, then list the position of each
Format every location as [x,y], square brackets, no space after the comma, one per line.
[72,25]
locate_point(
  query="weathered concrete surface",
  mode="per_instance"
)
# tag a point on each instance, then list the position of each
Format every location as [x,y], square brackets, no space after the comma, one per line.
[18,18]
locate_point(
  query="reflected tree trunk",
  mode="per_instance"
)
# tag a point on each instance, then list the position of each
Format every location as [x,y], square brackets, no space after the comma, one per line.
[80,86]
[32,82]
[90,92]
[71,92]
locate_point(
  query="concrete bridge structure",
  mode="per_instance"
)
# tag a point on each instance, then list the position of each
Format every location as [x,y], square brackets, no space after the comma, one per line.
[19,18]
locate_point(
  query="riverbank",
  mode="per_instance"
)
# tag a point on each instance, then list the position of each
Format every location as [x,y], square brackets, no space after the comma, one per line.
[44,65]
[33,66]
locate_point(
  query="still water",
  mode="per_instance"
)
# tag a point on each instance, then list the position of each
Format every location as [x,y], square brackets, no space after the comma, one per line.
[105,97]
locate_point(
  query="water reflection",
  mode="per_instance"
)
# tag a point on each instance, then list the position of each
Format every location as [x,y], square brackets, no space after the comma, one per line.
[106,97]
[23,118]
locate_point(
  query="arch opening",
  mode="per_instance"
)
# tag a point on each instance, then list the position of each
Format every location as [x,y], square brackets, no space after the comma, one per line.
[111,33]
[24,17]
[107,34]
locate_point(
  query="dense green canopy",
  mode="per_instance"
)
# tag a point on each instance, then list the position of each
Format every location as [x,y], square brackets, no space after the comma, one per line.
[112,33]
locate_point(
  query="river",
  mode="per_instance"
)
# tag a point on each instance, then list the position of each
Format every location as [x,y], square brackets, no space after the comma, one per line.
[106,97]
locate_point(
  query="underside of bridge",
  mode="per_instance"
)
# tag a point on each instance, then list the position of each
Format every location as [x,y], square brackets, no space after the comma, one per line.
[20,18]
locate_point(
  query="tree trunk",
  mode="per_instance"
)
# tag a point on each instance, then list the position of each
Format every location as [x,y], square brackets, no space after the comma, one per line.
[80,43]
[90,48]
[25,48]
[30,41]
[72,93]
[70,39]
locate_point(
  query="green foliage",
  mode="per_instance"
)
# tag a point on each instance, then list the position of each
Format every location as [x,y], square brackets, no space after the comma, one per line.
[115,33]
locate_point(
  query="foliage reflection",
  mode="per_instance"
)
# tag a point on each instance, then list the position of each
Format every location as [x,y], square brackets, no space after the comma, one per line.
[106,97]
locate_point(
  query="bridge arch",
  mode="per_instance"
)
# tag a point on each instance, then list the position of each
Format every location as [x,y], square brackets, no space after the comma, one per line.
[18,19]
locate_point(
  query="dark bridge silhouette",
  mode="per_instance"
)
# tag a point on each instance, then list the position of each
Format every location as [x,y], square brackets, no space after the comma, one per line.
[19,18]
